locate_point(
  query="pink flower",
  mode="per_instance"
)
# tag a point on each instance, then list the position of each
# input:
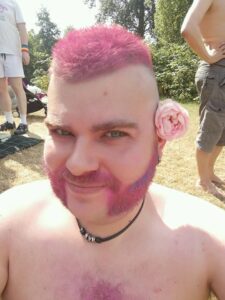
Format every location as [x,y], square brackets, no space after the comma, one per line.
[171,120]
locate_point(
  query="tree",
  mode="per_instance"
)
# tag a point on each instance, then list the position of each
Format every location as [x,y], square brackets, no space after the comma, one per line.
[136,15]
[39,62]
[48,33]
[33,46]
[168,19]
[68,29]
[175,66]
[174,62]
[40,45]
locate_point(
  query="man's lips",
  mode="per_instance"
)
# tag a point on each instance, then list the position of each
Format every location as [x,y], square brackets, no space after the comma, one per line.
[83,187]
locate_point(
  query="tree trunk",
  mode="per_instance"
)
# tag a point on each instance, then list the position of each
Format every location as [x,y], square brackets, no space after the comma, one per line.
[141,18]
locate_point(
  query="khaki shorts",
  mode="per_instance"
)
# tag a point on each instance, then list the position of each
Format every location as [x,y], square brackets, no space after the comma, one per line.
[11,66]
[210,82]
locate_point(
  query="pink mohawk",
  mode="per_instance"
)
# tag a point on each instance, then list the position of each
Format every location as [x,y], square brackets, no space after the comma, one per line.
[90,52]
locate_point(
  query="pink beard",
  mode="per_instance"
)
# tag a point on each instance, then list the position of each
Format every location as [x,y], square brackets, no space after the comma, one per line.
[120,198]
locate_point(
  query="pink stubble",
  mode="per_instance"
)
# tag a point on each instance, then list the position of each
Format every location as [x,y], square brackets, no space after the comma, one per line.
[120,197]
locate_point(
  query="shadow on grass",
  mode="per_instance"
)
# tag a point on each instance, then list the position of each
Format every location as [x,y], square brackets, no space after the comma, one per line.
[36,118]
[220,186]
[220,197]
[20,167]
[26,165]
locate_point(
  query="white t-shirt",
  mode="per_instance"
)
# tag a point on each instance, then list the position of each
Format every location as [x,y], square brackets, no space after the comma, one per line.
[10,16]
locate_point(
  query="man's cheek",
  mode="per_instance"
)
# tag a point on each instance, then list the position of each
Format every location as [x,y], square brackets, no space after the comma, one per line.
[54,154]
[48,155]
[57,182]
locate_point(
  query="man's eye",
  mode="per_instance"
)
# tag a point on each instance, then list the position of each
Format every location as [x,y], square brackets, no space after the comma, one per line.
[115,134]
[61,132]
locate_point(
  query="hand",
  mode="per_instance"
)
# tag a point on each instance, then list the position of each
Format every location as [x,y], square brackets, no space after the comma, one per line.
[216,54]
[25,57]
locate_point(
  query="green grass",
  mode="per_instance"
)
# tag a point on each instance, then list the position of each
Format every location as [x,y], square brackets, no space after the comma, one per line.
[178,166]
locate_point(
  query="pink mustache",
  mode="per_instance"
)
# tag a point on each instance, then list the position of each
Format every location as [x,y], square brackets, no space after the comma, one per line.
[94,178]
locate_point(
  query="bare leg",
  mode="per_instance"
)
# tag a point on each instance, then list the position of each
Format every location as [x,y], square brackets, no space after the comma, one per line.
[214,155]
[203,161]
[5,101]
[17,86]
[6,106]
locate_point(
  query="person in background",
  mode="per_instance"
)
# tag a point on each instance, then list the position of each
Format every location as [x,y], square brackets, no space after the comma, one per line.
[203,29]
[97,228]
[14,53]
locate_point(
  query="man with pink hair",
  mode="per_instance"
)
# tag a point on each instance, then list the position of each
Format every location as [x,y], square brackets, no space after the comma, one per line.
[97,229]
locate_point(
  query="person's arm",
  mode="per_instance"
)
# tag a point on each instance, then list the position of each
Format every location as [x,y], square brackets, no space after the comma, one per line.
[190,31]
[24,41]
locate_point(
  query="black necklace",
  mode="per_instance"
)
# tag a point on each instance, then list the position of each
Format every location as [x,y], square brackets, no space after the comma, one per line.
[97,239]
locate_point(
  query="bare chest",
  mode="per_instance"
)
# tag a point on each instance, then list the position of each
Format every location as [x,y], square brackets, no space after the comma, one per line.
[213,23]
[52,271]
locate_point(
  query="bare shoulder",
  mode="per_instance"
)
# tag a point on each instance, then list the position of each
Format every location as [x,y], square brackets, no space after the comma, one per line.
[29,204]
[199,223]
[34,188]
[15,202]
[182,209]
[18,206]
[22,202]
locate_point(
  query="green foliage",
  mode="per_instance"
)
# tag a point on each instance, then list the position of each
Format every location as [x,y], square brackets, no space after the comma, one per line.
[33,42]
[168,20]
[174,62]
[175,66]
[40,61]
[48,33]
[40,45]
[67,30]
[136,15]
[41,81]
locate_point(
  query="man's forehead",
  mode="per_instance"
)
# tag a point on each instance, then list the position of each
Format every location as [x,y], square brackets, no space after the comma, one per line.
[138,74]
[116,95]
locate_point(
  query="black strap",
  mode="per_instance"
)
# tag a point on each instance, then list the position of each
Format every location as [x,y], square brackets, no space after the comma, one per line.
[97,239]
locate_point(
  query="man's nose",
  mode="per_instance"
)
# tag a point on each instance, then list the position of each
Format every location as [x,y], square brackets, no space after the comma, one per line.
[82,159]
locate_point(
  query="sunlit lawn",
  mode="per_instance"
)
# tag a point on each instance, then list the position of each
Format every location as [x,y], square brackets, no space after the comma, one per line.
[178,166]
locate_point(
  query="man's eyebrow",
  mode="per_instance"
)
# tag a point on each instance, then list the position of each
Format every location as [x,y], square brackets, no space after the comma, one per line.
[114,124]
[98,127]
[50,124]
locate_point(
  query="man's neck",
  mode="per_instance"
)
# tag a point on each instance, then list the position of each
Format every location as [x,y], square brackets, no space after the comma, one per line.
[112,226]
